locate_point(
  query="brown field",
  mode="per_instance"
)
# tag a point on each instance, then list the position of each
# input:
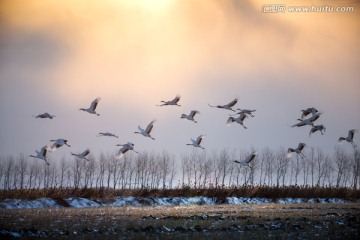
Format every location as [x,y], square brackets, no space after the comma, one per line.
[275,221]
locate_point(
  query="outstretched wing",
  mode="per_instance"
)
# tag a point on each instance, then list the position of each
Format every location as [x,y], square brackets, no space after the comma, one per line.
[199,139]
[44,151]
[250,158]
[232,103]
[301,146]
[193,113]
[289,152]
[229,121]
[121,152]
[351,134]
[85,153]
[176,99]
[299,124]
[150,127]
[94,104]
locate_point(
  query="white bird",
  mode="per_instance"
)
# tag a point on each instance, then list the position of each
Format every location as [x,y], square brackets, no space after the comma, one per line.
[191,115]
[172,102]
[42,154]
[239,120]
[248,159]
[307,111]
[58,143]
[309,121]
[227,106]
[107,134]
[82,155]
[296,150]
[246,111]
[44,115]
[349,138]
[92,107]
[319,128]
[125,147]
[146,132]
[197,142]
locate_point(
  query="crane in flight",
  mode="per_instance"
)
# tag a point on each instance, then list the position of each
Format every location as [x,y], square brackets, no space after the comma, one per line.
[191,115]
[42,154]
[316,128]
[92,107]
[146,132]
[309,121]
[296,150]
[58,143]
[45,115]
[349,138]
[307,111]
[107,134]
[197,142]
[171,102]
[239,120]
[227,106]
[246,162]
[82,155]
[125,147]
[246,111]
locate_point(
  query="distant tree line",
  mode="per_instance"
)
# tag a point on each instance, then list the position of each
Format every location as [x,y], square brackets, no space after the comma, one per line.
[195,169]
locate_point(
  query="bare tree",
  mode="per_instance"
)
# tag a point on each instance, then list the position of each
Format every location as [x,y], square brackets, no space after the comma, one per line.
[223,165]
[89,174]
[355,162]
[23,169]
[2,171]
[165,167]
[101,171]
[320,159]
[341,163]
[9,166]
[63,167]
[267,156]
[172,172]
[295,168]
[281,166]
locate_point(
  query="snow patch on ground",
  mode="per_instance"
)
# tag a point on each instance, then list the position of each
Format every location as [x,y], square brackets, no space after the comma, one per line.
[120,201]
[38,203]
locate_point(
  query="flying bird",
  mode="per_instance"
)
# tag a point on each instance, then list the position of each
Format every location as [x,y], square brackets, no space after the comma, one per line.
[296,150]
[146,132]
[190,116]
[107,134]
[44,115]
[125,147]
[349,138]
[92,107]
[227,106]
[307,111]
[58,143]
[309,121]
[248,159]
[172,102]
[197,142]
[239,120]
[246,111]
[319,128]
[42,154]
[82,155]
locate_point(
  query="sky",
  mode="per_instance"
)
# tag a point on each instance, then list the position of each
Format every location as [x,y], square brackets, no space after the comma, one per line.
[58,56]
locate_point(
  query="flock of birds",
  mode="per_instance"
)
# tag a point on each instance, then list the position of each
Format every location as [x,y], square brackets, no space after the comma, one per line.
[242,115]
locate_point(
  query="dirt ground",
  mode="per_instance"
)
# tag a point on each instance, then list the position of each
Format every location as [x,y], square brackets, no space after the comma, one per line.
[270,221]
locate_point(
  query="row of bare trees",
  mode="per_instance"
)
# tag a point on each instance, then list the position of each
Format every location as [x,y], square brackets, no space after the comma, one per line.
[197,169]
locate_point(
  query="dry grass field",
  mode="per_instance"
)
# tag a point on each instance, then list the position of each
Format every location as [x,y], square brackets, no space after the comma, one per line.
[274,221]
